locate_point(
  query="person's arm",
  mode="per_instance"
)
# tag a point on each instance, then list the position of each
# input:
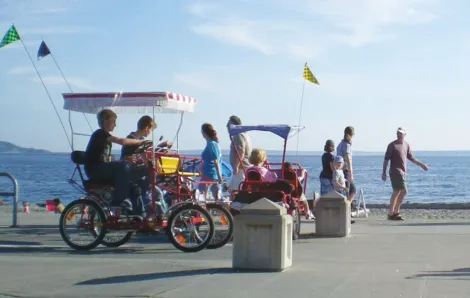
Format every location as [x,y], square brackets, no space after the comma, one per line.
[348,161]
[125,141]
[388,156]
[217,167]
[165,144]
[330,160]
[336,183]
[240,151]
[214,152]
[410,157]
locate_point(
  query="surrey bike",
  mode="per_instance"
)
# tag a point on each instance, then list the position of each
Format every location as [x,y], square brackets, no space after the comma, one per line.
[189,226]
[177,178]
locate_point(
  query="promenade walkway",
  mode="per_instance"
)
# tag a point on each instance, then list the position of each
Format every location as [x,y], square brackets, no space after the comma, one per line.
[381,259]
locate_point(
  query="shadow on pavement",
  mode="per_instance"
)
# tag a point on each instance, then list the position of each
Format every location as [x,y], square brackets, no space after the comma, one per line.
[13,242]
[31,230]
[161,275]
[97,251]
[458,274]
[429,224]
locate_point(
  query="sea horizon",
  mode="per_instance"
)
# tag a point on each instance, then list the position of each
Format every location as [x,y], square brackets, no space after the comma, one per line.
[288,152]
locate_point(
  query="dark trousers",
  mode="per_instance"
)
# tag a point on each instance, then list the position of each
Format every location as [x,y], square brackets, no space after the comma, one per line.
[126,179]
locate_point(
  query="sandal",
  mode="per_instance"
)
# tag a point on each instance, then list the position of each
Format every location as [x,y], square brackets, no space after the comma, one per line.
[395,216]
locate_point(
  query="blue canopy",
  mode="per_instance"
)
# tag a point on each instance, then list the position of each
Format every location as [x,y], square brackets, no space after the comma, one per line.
[282,130]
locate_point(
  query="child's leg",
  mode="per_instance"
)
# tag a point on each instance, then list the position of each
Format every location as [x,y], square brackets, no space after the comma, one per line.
[304,202]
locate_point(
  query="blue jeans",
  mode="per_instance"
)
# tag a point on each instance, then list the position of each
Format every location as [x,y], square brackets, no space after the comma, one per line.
[214,188]
[144,184]
[325,186]
[123,174]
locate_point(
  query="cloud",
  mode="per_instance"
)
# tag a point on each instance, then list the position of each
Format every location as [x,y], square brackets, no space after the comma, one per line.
[196,80]
[55,30]
[366,20]
[51,10]
[27,14]
[22,70]
[235,34]
[201,9]
[304,29]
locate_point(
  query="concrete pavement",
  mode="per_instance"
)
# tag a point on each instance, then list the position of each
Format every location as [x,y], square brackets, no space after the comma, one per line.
[415,258]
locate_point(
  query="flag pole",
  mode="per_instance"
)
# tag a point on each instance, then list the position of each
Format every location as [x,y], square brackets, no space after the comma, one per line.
[68,85]
[47,91]
[300,116]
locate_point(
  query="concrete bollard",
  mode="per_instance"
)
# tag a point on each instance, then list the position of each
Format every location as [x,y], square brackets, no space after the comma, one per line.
[262,238]
[333,215]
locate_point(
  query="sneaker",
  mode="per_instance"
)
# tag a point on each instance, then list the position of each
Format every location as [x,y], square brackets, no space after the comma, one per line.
[309,215]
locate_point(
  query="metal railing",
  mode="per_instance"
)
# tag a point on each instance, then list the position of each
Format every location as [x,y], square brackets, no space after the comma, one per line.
[362,200]
[13,194]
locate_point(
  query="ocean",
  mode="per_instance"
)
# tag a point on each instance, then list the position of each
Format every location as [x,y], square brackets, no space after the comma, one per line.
[44,176]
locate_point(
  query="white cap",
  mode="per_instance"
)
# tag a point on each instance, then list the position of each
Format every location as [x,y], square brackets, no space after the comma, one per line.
[401,130]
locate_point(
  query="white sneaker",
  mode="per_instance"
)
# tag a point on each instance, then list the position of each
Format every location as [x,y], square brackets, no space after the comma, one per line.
[310,215]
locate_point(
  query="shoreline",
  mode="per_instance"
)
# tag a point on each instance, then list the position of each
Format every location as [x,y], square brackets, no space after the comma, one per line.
[423,206]
[413,211]
[406,206]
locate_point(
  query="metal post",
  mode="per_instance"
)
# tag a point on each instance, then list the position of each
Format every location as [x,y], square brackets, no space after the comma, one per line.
[12,194]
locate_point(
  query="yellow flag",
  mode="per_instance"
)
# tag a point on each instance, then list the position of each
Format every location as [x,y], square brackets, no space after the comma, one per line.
[308,75]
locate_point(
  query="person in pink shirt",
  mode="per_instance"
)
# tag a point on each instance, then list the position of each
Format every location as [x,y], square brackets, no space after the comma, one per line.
[258,159]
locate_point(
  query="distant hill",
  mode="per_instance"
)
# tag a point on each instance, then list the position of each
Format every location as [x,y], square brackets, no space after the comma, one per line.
[6,147]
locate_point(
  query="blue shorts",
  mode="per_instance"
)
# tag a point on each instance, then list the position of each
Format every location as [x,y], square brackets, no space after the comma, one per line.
[351,186]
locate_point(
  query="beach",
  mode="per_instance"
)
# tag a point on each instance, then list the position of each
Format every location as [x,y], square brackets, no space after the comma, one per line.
[445,211]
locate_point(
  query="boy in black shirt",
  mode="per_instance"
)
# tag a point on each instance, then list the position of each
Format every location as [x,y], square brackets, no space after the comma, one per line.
[100,166]
[145,125]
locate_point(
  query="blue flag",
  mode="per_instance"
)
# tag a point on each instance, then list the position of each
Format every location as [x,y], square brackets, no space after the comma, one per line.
[43,50]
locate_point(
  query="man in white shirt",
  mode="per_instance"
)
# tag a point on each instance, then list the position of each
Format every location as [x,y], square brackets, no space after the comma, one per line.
[243,147]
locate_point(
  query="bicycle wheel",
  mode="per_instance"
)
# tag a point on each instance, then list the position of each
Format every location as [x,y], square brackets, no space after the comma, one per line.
[89,218]
[116,239]
[223,225]
[113,238]
[190,228]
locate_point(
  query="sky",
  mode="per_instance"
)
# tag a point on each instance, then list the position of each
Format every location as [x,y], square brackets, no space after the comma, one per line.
[381,64]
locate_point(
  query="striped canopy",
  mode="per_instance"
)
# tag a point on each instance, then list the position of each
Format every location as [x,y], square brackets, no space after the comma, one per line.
[130,102]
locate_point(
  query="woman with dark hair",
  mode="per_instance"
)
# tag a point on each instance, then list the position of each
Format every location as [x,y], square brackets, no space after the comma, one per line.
[326,175]
[211,161]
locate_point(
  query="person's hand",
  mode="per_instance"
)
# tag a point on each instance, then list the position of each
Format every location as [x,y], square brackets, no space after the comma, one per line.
[147,142]
[384,177]
[425,167]
[168,144]
[131,159]
[221,180]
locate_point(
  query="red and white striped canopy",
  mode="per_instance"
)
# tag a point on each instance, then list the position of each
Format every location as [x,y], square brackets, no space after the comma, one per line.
[131,102]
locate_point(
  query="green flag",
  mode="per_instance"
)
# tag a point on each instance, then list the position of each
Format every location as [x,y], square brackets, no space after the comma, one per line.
[10,37]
